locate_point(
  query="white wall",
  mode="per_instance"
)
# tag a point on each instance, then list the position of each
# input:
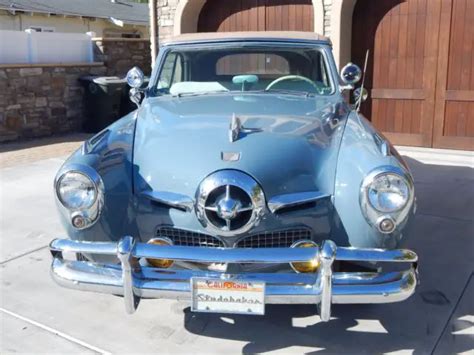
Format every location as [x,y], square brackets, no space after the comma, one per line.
[42,47]
[21,22]
[14,47]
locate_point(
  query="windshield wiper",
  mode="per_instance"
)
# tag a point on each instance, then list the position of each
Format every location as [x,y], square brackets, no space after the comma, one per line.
[289,92]
[198,93]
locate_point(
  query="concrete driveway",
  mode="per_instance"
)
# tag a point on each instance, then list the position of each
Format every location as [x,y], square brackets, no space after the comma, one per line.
[39,317]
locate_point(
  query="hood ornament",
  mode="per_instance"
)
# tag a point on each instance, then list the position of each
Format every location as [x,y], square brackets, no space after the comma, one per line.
[236,128]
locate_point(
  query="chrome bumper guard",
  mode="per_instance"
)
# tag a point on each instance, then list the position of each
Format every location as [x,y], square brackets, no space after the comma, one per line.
[322,288]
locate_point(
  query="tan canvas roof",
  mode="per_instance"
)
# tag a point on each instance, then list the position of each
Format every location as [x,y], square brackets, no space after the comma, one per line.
[210,36]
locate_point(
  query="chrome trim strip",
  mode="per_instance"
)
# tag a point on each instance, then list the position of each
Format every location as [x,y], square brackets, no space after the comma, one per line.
[279,202]
[280,288]
[226,255]
[124,253]
[376,255]
[67,245]
[327,256]
[171,199]
[401,287]
[321,288]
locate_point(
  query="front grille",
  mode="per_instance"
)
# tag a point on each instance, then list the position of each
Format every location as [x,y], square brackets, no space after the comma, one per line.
[271,239]
[188,238]
[274,239]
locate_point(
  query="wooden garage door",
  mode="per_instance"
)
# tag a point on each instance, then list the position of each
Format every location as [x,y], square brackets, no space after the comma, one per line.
[418,68]
[454,114]
[256,15]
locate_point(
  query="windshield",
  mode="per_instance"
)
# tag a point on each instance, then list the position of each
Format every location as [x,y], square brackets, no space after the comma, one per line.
[292,70]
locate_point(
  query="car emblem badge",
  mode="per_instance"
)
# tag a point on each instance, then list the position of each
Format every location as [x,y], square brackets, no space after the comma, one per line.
[227,208]
[230,156]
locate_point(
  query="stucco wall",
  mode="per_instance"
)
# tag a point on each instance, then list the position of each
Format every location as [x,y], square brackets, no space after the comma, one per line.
[21,22]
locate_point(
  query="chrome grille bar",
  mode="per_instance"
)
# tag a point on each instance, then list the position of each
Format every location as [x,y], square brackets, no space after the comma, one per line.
[274,239]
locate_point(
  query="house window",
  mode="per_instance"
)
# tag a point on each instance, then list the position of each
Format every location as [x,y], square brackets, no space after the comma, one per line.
[115,33]
[42,29]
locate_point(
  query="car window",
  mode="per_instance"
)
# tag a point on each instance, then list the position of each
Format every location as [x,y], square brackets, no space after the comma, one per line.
[252,63]
[199,70]
[172,71]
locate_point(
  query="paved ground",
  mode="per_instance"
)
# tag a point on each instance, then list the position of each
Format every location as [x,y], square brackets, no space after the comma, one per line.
[38,316]
[12,154]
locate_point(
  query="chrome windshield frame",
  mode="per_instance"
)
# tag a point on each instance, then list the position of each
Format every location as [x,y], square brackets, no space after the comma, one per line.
[323,47]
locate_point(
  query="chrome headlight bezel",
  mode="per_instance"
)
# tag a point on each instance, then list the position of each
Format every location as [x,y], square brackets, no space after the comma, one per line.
[67,203]
[374,215]
[89,213]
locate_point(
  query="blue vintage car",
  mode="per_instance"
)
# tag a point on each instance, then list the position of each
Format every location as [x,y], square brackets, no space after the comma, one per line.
[243,179]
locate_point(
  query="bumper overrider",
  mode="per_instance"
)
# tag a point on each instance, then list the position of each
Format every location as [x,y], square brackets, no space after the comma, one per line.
[322,288]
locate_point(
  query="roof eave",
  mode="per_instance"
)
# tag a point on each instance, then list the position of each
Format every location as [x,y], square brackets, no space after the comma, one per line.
[35,11]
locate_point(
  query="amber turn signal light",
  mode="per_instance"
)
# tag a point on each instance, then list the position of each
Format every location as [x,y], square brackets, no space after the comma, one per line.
[306,266]
[160,263]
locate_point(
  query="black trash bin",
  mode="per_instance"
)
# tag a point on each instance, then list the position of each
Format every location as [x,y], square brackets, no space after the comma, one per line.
[102,99]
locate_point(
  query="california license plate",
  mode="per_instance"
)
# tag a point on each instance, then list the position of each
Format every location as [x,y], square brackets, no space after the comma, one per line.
[228,296]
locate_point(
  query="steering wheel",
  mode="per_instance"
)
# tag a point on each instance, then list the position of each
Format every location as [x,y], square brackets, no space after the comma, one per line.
[292,77]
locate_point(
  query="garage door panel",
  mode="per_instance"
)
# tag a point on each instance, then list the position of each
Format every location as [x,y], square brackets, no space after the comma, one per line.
[402,68]
[461,69]
[422,76]
[453,124]
[398,116]
[256,15]
[459,119]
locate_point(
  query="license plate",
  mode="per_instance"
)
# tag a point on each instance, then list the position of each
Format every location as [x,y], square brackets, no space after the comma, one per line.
[228,296]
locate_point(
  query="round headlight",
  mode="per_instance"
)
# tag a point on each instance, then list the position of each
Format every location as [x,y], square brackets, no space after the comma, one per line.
[388,192]
[76,191]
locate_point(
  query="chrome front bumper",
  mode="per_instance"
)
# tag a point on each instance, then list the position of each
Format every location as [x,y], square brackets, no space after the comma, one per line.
[322,288]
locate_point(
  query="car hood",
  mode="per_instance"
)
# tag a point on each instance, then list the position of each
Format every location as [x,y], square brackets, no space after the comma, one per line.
[288,143]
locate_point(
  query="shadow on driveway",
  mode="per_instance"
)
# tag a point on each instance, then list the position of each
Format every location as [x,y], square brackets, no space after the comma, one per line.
[442,235]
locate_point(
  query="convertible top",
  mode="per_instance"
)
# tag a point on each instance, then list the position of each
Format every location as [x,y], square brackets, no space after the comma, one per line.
[254,35]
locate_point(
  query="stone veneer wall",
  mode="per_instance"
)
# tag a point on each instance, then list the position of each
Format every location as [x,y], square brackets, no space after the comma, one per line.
[327,4]
[44,99]
[40,100]
[121,54]
[166,11]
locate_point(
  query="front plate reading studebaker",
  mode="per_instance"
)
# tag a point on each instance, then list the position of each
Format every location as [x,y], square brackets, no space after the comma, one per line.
[223,296]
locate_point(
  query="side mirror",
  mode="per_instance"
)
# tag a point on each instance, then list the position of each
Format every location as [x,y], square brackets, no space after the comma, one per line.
[135,78]
[351,74]
[357,95]
[135,96]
